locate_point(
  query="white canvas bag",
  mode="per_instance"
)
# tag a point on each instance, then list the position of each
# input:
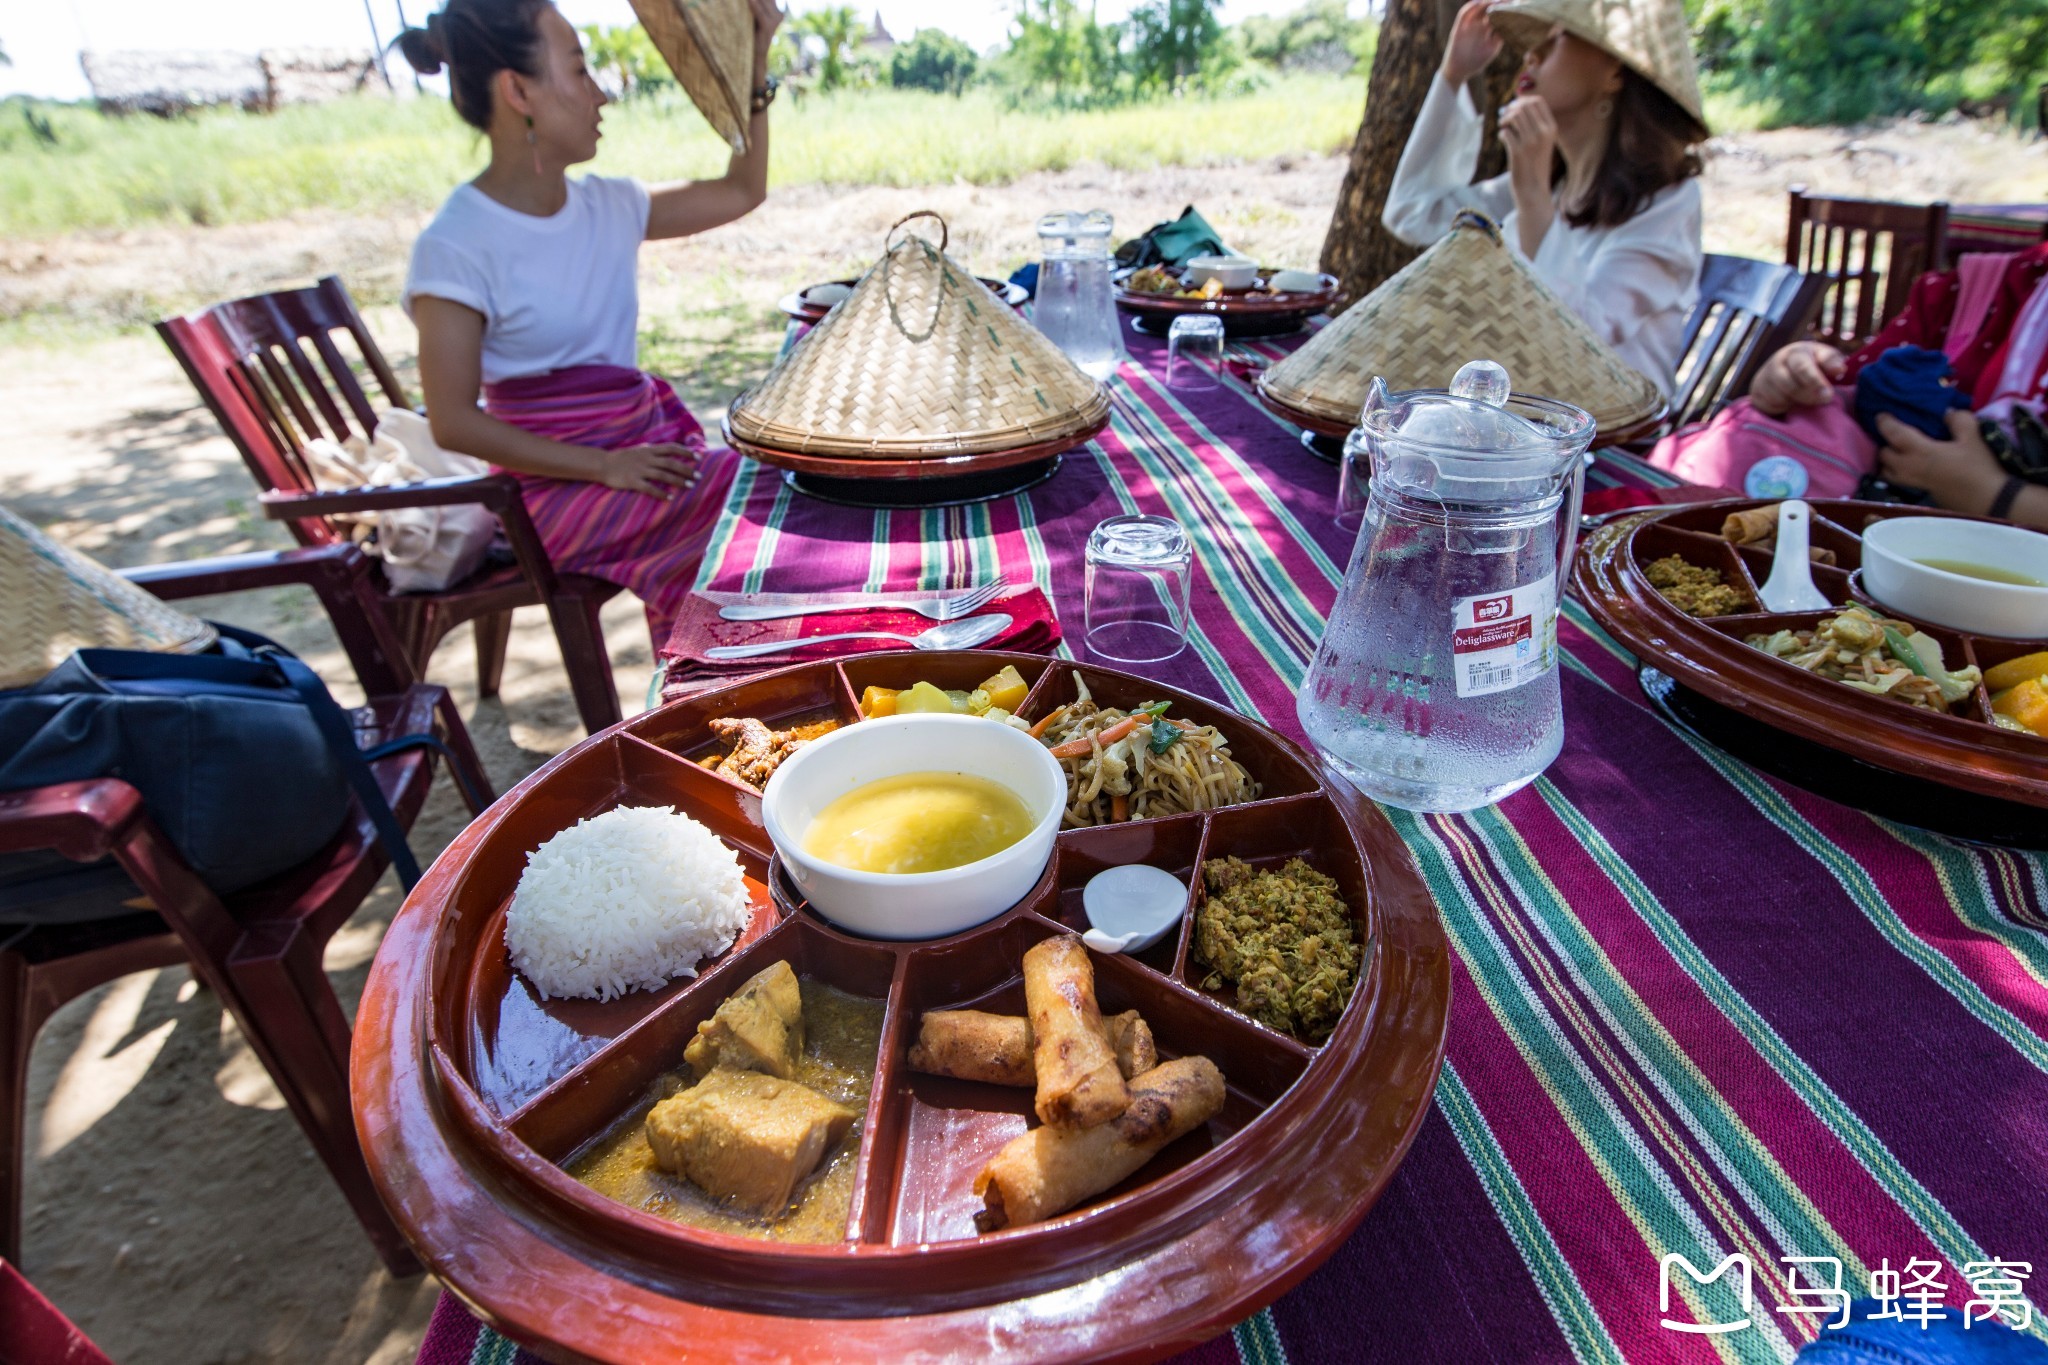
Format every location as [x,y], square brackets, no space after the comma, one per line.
[424,549]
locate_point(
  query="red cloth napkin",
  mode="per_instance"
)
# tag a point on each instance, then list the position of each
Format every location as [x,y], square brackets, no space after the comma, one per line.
[1035,630]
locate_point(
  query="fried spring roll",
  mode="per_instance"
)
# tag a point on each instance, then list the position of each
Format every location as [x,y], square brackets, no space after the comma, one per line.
[1079,1084]
[1751,526]
[1049,1170]
[996,1048]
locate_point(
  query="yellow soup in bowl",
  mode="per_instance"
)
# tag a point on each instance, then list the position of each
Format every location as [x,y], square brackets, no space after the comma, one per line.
[918,822]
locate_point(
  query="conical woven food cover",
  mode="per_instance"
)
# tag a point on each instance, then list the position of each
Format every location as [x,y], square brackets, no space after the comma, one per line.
[54,600]
[920,360]
[1466,298]
[1650,36]
[709,44]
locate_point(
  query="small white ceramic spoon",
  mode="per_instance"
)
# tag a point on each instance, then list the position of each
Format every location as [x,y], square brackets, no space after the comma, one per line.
[1131,907]
[1790,586]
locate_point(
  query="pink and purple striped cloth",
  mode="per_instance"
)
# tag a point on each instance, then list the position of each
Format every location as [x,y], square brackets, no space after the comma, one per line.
[1695,1012]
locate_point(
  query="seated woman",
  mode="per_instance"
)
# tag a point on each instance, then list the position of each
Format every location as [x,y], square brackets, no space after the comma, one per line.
[1601,194]
[523,289]
[1990,318]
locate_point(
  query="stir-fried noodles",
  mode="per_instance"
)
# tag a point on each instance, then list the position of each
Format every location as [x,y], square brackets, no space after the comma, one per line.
[1140,765]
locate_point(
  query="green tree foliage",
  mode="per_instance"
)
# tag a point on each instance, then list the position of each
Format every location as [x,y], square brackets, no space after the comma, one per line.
[839,28]
[1847,60]
[627,55]
[1060,53]
[933,60]
[1320,36]
[1176,43]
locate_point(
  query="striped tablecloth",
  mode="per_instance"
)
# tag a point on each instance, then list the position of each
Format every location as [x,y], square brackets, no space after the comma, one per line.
[1695,1011]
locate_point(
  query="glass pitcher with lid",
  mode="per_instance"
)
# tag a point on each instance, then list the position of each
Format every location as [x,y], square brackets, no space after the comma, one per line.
[1435,685]
[1075,305]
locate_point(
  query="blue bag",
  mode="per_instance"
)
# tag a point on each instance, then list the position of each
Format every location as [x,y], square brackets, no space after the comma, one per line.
[241,756]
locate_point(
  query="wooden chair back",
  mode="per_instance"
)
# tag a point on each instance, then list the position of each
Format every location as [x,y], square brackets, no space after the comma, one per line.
[1746,310]
[1870,252]
[273,371]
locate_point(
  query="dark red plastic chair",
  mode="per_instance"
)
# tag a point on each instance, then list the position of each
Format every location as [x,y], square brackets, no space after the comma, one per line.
[259,950]
[1870,252]
[34,1332]
[270,369]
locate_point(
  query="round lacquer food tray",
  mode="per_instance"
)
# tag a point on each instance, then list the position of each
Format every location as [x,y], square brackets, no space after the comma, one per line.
[800,307]
[1962,749]
[470,1091]
[1245,313]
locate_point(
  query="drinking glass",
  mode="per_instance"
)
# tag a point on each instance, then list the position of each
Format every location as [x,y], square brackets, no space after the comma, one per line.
[1194,353]
[1354,481]
[1136,591]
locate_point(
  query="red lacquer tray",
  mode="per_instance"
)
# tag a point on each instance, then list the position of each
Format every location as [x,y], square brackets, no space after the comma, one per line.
[1962,749]
[800,307]
[469,1090]
[1253,312]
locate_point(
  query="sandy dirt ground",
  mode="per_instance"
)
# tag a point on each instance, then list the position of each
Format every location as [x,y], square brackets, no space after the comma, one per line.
[173,1208]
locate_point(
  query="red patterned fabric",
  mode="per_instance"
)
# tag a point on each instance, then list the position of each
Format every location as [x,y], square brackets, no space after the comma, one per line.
[649,546]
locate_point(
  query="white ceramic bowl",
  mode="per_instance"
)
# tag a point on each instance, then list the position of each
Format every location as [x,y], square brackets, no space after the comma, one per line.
[1235,272]
[1894,575]
[1295,281]
[908,905]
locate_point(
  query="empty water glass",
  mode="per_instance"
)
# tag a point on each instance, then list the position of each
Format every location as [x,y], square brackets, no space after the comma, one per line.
[1135,595]
[1194,353]
[1354,481]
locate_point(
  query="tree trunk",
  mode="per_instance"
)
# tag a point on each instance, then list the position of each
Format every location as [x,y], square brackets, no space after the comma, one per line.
[1359,250]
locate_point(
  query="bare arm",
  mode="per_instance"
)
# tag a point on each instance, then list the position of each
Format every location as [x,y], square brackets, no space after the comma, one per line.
[451,373]
[690,207]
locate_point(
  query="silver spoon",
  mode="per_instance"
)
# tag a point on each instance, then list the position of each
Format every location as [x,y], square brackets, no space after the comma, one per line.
[1790,586]
[963,634]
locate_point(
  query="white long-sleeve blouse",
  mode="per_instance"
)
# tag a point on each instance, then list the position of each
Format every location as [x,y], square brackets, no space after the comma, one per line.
[1634,284]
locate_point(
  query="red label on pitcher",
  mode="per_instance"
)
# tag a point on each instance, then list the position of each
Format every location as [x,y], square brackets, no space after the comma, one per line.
[1502,640]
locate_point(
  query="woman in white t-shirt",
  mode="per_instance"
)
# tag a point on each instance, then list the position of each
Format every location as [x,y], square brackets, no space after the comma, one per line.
[523,289]
[1601,194]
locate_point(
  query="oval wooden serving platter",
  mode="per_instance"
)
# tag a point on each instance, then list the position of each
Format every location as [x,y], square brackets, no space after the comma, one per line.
[1962,749]
[471,1092]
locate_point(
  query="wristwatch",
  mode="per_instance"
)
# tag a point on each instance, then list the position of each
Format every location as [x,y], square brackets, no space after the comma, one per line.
[764,95]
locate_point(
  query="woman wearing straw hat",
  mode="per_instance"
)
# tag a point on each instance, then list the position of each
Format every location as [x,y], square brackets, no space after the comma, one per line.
[523,289]
[1601,193]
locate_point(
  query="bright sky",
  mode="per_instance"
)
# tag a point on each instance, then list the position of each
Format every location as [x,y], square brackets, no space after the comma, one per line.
[44,37]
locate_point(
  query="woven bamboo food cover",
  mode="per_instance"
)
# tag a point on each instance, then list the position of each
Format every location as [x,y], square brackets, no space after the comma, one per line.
[709,45]
[1650,36]
[54,600]
[920,360]
[1466,298]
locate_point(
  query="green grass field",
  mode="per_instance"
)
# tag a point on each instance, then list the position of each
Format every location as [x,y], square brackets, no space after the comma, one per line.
[369,155]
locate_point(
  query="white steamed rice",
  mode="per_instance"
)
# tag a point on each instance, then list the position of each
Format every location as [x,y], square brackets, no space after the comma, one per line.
[626,900]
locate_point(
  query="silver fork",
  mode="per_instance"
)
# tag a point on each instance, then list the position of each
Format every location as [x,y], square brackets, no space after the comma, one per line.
[930,606]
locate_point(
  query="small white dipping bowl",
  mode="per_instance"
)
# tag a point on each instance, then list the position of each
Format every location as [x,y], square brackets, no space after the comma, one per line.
[1233,272]
[827,295]
[1894,575]
[1294,281]
[908,905]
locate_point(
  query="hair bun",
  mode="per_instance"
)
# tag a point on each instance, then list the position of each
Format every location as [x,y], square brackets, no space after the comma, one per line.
[424,48]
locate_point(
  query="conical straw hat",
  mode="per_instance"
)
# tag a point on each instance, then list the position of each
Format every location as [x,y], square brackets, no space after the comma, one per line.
[709,45]
[1649,36]
[54,600]
[1466,298]
[921,359]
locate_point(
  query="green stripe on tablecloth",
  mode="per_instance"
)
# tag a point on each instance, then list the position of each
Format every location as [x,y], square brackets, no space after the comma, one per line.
[1965,880]
[491,1349]
[1258,1340]
[1570,1306]
[1041,562]
[771,537]
[1662,1217]
[878,552]
[729,518]
[1912,1197]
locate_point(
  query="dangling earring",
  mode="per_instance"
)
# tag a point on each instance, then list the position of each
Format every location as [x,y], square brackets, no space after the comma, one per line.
[534,143]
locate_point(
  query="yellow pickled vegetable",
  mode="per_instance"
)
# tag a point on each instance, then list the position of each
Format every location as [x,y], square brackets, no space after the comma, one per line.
[878,701]
[2025,702]
[2013,672]
[921,698]
[1007,688]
